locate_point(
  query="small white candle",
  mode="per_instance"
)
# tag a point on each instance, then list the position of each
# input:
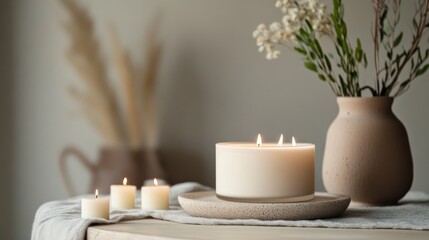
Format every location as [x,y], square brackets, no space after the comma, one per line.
[122,196]
[155,197]
[95,207]
[265,172]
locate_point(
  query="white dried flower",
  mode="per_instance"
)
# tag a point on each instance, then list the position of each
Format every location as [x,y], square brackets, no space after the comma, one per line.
[260,40]
[261,27]
[277,37]
[255,34]
[286,31]
[275,26]
[284,4]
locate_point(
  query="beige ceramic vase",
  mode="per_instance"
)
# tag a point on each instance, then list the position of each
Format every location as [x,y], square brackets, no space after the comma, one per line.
[367,152]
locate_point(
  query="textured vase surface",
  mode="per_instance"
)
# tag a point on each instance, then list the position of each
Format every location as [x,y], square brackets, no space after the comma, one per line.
[367,152]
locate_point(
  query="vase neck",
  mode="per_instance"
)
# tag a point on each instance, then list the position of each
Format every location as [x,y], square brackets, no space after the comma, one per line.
[370,104]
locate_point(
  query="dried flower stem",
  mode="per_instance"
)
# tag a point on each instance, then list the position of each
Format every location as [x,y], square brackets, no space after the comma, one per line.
[423,12]
[149,85]
[388,75]
[97,100]
[85,57]
[378,8]
[126,74]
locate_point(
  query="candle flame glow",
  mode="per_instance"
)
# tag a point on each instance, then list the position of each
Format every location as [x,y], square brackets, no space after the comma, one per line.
[96,193]
[280,143]
[293,141]
[259,140]
[155,182]
[124,181]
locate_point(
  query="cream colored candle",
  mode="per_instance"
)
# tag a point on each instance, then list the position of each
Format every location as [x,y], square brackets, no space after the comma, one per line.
[122,196]
[95,207]
[256,172]
[155,197]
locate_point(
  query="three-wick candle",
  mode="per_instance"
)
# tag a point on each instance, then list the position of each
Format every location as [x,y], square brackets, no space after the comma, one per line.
[269,172]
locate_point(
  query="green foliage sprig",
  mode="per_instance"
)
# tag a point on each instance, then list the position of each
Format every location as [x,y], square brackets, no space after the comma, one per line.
[341,71]
[387,77]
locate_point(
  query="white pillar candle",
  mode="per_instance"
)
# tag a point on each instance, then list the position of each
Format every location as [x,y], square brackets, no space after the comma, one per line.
[155,197]
[95,207]
[259,172]
[122,196]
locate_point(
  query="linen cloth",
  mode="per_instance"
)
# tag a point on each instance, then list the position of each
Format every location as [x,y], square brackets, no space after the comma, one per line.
[61,219]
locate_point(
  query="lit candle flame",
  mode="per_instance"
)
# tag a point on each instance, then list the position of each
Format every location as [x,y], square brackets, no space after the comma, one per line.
[259,141]
[293,141]
[280,143]
[155,182]
[96,193]
[124,181]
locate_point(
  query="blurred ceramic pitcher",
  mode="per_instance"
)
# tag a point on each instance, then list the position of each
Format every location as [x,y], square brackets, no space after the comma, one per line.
[113,165]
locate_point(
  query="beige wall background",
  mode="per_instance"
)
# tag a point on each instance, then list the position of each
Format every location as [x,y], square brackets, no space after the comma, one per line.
[213,86]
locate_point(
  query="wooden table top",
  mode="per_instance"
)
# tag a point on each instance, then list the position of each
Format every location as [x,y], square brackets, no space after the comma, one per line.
[154,229]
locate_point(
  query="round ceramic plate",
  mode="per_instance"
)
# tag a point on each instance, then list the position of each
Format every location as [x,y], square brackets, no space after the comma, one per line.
[206,204]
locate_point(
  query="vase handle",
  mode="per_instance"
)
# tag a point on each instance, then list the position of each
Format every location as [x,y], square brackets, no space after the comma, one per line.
[63,167]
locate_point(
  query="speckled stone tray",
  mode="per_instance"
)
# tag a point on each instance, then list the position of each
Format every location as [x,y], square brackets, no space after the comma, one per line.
[206,204]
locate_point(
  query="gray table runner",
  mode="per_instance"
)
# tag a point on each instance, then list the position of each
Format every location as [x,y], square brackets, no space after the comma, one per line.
[61,219]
